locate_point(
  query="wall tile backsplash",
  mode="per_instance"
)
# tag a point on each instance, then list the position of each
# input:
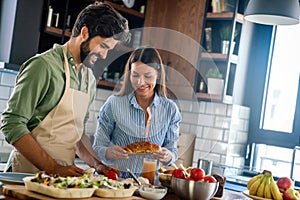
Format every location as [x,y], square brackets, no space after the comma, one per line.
[221,130]
[7,82]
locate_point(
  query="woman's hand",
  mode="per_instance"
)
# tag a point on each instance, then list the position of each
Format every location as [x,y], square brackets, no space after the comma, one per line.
[163,155]
[116,153]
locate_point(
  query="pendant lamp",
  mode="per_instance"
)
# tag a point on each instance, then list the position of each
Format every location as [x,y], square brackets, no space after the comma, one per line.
[273,12]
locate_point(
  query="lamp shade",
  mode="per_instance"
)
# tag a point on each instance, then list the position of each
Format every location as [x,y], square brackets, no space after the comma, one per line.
[273,12]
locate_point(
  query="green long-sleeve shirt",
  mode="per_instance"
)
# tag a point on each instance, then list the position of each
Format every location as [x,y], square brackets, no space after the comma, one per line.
[39,87]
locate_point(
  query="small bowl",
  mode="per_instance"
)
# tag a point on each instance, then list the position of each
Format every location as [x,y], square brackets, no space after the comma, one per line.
[165,179]
[153,192]
[193,190]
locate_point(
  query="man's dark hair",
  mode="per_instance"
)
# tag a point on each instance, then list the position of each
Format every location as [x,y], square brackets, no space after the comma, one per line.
[104,21]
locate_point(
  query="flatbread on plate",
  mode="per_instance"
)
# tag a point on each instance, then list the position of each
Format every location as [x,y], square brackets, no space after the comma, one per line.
[142,147]
[57,192]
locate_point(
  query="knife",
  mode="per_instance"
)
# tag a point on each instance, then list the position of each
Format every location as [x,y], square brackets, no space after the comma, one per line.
[134,177]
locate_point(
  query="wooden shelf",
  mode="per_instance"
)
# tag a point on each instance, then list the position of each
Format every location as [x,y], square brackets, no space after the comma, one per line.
[109,85]
[214,56]
[209,97]
[124,9]
[220,15]
[57,31]
[106,83]
[225,16]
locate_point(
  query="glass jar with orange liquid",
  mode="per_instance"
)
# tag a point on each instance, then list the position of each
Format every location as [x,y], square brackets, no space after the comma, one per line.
[149,169]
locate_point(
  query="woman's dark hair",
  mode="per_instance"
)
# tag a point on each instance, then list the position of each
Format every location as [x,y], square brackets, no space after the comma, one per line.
[151,57]
[102,20]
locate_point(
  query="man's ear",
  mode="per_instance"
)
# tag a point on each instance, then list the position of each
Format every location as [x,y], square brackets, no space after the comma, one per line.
[84,32]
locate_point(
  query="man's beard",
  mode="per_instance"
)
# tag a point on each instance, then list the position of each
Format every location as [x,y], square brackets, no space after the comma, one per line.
[90,59]
[86,54]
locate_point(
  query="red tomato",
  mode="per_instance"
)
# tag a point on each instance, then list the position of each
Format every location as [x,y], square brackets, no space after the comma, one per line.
[197,174]
[210,179]
[189,179]
[178,173]
[111,175]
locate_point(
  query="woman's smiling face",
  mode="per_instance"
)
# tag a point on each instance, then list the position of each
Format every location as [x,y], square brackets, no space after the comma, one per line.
[143,78]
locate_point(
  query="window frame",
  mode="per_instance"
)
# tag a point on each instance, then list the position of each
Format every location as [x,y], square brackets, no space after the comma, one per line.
[269,137]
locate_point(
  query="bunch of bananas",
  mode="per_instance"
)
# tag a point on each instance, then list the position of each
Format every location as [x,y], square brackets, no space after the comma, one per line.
[263,185]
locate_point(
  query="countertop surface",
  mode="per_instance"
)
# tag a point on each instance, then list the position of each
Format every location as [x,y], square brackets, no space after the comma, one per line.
[21,193]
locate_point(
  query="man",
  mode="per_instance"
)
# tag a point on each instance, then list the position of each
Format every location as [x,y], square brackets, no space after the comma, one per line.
[45,116]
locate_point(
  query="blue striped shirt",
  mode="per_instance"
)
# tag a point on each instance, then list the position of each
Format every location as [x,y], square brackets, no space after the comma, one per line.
[122,121]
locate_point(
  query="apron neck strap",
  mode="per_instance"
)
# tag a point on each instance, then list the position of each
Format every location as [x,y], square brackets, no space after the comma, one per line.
[67,69]
[66,66]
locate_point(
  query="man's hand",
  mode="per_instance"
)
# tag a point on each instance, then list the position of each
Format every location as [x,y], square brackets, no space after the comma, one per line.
[102,169]
[64,171]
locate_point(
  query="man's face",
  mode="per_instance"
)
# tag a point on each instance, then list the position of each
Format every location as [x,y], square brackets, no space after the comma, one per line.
[94,48]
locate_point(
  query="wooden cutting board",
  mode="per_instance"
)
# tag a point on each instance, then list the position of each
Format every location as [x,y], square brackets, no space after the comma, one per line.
[20,192]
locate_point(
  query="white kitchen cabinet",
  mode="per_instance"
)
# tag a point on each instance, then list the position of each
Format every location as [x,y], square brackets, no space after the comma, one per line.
[185,146]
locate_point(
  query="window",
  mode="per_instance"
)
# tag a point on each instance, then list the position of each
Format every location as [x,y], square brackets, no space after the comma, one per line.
[281,90]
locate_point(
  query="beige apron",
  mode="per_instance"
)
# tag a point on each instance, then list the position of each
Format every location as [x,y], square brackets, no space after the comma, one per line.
[61,129]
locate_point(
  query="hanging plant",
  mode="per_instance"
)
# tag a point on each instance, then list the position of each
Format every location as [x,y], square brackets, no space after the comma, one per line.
[225,33]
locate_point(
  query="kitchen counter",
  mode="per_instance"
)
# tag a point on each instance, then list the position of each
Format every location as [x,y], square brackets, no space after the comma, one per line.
[19,192]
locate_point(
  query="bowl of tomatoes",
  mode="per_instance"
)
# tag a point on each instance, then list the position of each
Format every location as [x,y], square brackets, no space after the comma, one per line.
[194,185]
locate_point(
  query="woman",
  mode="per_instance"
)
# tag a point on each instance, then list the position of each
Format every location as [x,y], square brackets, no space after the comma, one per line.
[123,117]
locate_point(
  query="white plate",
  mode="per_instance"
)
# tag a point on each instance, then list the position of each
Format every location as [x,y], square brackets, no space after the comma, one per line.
[246,192]
[13,177]
[138,154]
